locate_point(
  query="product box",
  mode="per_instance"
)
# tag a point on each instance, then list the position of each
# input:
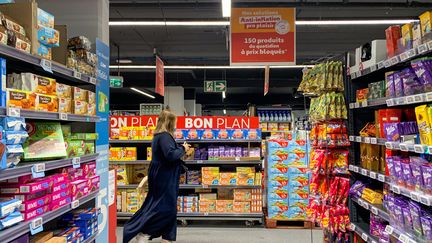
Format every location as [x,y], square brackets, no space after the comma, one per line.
[298,180]
[278,180]
[278,205]
[242,207]
[242,195]
[20,99]
[89,147]
[80,94]
[46,103]
[149,153]
[122,178]
[23,196]
[296,213]
[210,175]
[393,33]
[228,178]
[79,189]
[79,107]
[15,137]
[426,22]
[44,18]
[60,194]
[278,193]
[89,169]
[224,206]
[45,141]
[91,97]
[49,37]
[74,148]
[28,188]
[91,109]
[59,178]
[297,193]
[277,143]
[207,206]
[245,175]
[407,35]
[278,168]
[207,196]
[39,84]
[280,215]
[64,91]
[36,213]
[59,187]
[65,105]
[44,52]
[8,206]
[60,203]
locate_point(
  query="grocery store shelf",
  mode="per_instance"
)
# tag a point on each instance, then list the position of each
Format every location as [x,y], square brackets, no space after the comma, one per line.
[402,236]
[403,57]
[42,115]
[91,238]
[112,141]
[407,147]
[374,208]
[131,162]
[186,186]
[278,131]
[13,232]
[368,103]
[363,234]
[414,195]
[222,162]
[207,216]
[370,140]
[57,68]
[193,141]
[372,174]
[25,168]
[408,100]
[130,186]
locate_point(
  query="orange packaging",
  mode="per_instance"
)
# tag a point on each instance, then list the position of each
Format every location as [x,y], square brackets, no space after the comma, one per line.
[210,175]
[245,175]
[393,34]
[130,153]
[242,207]
[224,206]
[46,103]
[65,105]
[228,179]
[207,206]
[258,178]
[20,99]
[242,195]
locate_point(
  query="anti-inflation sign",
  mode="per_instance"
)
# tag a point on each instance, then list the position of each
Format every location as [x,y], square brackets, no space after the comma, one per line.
[263,36]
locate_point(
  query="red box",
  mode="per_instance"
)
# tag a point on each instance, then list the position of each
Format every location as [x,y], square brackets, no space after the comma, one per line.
[393,34]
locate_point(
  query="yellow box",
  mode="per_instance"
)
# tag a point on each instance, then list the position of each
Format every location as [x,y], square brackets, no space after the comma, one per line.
[91,109]
[242,195]
[242,207]
[91,97]
[57,239]
[46,103]
[207,206]
[423,120]
[224,206]
[20,99]
[80,107]
[64,91]
[426,22]
[122,175]
[210,175]
[227,178]
[80,94]
[65,105]
[149,153]
[245,175]
[207,196]
[407,34]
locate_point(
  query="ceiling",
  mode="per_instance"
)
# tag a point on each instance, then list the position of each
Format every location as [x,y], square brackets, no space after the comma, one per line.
[192,45]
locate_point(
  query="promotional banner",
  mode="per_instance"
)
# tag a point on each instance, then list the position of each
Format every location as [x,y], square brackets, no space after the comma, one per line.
[266,80]
[189,122]
[263,36]
[160,76]
[102,164]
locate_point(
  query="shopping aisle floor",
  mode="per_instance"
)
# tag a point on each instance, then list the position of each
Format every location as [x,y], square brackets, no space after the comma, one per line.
[241,235]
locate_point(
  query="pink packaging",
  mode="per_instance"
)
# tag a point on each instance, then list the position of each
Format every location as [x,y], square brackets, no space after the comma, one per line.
[60,187]
[94,183]
[60,203]
[36,213]
[25,197]
[19,180]
[59,178]
[79,189]
[28,188]
[89,169]
[35,203]
[60,195]
[72,173]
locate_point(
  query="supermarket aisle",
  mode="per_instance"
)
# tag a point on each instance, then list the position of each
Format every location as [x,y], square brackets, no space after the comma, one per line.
[240,235]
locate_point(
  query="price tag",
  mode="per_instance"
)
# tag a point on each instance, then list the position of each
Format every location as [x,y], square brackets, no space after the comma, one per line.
[199,161]
[418,98]
[76,162]
[367,140]
[366,205]
[63,116]
[389,229]
[428,96]
[365,237]
[410,99]
[373,141]
[425,200]
[401,101]
[414,196]
[38,170]
[356,105]
[364,103]
[373,68]
[372,175]
[374,210]
[411,241]
[381,177]
[13,112]
[237,158]
[36,226]
[205,186]
[403,238]
[46,65]
[206,214]
[360,202]
[422,48]
[403,147]
[396,189]
[390,102]
[380,65]
[412,53]
[353,75]
[429,45]
[358,74]
[394,60]
[351,167]
[389,145]
[387,63]
[75,204]
[76,74]
[418,148]
[92,80]
[356,169]
[351,105]
[364,172]
[351,138]
[403,56]
[353,227]
[358,139]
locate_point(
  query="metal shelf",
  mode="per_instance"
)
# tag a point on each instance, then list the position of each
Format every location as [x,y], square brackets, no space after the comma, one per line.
[13,232]
[363,234]
[25,168]
[420,197]
[407,147]
[91,238]
[419,51]
[278,131]
[222,162]
[42,115]
[131,162]
[372,174]
[207,216]
[186,186]
[192,141]
[402,236]
[374,208]
[368,103]
[57,68]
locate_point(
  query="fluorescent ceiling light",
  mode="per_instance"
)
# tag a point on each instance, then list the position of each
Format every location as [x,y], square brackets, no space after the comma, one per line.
[226,8]
[204,67]
[223,95]
[124,61]
[224,111]
[298,22]
[143,93]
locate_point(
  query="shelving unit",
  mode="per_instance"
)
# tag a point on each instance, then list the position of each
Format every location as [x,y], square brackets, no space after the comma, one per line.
[40,115]
[362,233]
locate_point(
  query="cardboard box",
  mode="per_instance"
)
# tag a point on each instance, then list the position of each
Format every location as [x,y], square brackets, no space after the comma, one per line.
[207,206]
[41,237]
[46,103]
[242,195]
[80,107]
[242,207]
[224,206]
[64,91]
[91,97]
[210,175]
[426,22]
[228,179]
[44,18]
[20,99]
[79,94]
[45,142]
[91,109]
[65,105]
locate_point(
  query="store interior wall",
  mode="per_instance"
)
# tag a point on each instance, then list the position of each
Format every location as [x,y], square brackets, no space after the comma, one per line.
[174,99]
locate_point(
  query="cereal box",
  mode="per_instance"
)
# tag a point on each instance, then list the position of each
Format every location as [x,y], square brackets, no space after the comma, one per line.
[65,105]
[91,109]
[207,206]
[20,99]
[224,206]
[245,175]
[122,178]
[80,94]
[242,207]
[46,103]
[210,175]
[64,91]
[91,97]
[80,107]
[228,178]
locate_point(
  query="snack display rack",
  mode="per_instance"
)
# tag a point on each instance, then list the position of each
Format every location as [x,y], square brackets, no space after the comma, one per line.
[362,211]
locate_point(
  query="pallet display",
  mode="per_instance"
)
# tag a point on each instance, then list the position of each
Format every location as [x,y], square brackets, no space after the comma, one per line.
[389,130]
[224,177]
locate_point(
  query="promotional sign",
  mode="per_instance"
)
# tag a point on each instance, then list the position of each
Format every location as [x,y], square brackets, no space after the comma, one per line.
[189,122]
[215,86]
[263,36]
[160,76]
[102,164]
[266,80]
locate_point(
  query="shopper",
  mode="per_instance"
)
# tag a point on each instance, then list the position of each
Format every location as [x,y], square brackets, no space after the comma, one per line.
[158,214]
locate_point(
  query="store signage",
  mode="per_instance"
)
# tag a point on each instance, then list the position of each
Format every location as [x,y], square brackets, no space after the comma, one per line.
[263,36]
[160,76]
[116,81]
[189,122]
[215,86]
[266,80]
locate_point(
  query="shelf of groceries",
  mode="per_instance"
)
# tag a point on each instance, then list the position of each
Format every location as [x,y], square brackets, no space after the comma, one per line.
[208,216]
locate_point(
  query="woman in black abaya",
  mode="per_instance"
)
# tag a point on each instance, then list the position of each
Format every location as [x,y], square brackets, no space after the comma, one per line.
[158,214]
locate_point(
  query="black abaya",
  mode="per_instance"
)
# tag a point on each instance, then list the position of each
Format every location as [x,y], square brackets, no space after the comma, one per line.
[158,214]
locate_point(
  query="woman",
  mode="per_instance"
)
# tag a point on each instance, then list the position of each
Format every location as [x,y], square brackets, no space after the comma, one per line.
[158,214]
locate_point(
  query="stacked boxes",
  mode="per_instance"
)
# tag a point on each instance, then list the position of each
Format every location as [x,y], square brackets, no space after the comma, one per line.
[123,153]
[288,177]
[48,37]
[377,90]
[12,136]
[245,176]
[210,175]
[129,200]
[187,204]
[86,220]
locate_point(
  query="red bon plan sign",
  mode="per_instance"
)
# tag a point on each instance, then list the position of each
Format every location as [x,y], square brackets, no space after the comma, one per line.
[263,36]
[189,122]
[160,76]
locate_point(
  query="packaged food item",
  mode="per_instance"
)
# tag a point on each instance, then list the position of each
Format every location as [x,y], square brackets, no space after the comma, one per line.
[241,207]
[228,179]
[46,103]
[79,42]
[362,95]
[91,109]
[207,206]
[80,107]
[27,188]
[44,52]
[11,219]
[79,189]
[12,25]
[407,36]
[44,18]
[45,141]
[86,56]
[18,41]
[424,124]
[64,91]
[91,97]
[210,175]
[122,178]
[426,22]
[8,206]
[3,35]
[80,94]
[42,237]
[393,33]
[64,105]
[20,99]
[47,36]
[224,206]
[417,34]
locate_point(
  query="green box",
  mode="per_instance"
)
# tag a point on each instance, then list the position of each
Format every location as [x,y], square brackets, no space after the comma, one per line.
[89,147]
[84,136]
[75,148]
[45,141]
[67,131]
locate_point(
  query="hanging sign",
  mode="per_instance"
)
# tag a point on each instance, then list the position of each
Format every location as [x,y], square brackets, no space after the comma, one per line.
[263,36]
[160,76]
[215,86]
[266,80]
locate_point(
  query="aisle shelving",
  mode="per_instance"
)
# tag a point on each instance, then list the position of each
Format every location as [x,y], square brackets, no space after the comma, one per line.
[40,115]
[375,209]
[209,216]
[192,141]
[194,162]
[369,173]
[363,233]
[187,186]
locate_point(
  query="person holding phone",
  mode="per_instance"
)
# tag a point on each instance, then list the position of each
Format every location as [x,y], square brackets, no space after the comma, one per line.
[158,214]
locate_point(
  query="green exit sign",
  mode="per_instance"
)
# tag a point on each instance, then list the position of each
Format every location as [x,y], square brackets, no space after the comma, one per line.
[215,86]
[116,81]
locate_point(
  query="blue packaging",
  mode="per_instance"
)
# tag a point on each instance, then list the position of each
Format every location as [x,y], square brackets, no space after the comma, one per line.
[15,137]
[13,155]
[8,206]
[3,75]
[48,36]
[13,123]
[11,219]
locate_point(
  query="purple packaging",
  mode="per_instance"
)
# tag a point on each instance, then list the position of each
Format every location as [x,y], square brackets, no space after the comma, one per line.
[390,87]
[390,167]
[391,131]
[245,152]
[398,170]
[210,153]
[238,152]
[357,189]
[424,72]
[427,177]
[407,219]
[399,88]
[407,174]
[411,83]
[415,164]
[398,213]
[231,152]
[415,211]
[426,222]
[222,151]
[216,154]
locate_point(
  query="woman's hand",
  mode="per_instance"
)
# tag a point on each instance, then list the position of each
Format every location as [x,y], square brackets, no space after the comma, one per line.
[186,146]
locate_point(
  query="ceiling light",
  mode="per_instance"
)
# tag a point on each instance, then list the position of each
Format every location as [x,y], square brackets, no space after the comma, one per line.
[224,111]
[223,95]
[226,8]
[298,22]
[143,93]
[124,61]
[205,67]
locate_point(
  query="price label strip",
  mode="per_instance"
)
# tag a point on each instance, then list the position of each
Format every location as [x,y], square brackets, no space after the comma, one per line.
[404,56]
[36,226]
[403,238]
[374,210]
[422,48]
[412,53]
[199,161]
[77,75]
[76,162]
[351,167]
[364,103]
[419,149]
[372,175]
[351,105]
[389,229]
[403,147]
[428,96]
[425,200]
[46,65]
[356,169]
[364,172]
[373,68]
[389,145]
[75,204]
[414,196]
[364,236]
[92,80]
[38,170]
[396,189]
[358,139]
[367,140]
[13,112]
[356,105]
[418,98]
[373,141]
[63,116]
[390,102]
[381,65]
[381,177]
